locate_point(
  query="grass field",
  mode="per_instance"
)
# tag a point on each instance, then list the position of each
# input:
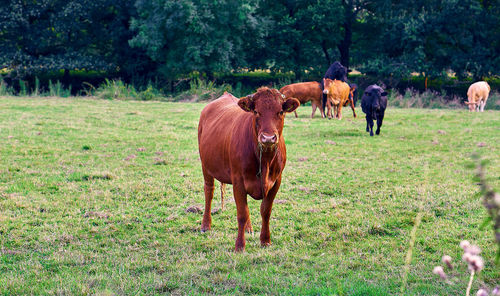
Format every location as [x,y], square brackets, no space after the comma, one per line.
[94,199]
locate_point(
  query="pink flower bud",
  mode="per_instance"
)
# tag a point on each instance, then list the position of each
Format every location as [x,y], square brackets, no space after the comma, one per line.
[467,257]
[496,199]
[439,271]
[473,250]
[496,291]
[447,260]
[464,245]
[476,263]
[482,292]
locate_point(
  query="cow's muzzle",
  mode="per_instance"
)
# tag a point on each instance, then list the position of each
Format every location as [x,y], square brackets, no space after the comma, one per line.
[268,140]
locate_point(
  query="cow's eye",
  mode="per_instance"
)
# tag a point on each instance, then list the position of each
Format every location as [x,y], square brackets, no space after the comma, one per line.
[280,113]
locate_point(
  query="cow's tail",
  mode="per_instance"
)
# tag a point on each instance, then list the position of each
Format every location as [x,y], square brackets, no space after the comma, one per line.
[323,100]
[222,192]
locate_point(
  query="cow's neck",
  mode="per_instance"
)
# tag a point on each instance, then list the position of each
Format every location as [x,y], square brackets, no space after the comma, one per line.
[265,158]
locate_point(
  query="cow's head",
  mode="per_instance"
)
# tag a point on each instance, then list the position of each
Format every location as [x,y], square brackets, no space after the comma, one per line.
[268,107]
[376,96]
[326,85]
[472,105]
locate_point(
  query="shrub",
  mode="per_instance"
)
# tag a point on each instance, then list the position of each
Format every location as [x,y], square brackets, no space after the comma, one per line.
[57,90]
[200,90]
[148,94]
[4,89]
[115,89]
[428,99]
[493,102]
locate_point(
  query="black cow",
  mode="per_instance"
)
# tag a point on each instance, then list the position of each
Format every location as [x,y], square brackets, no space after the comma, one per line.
[373,104]
[336,71]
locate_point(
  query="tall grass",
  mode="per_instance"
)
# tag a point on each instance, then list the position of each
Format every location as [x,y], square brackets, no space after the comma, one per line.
[115,89]
[201,90]
[428,99]
[5,90]
[57,90]
[434,100]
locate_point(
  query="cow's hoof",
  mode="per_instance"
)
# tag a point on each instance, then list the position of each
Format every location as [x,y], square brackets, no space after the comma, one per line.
[371,134]
[265,244]
[377,132]
[205,228]
[249,230]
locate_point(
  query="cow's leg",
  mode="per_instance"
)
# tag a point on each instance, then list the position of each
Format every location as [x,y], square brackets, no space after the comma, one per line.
[321,110]
[208,187]
[369,124]
[314,109]
[339,111]
[265,211]
[379,122]
[352,107]
[483,103]
[329,111]
[242,214]
[295,114]
[222,192]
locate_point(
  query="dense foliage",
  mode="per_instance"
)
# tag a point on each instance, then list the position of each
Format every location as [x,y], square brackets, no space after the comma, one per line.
[171,40]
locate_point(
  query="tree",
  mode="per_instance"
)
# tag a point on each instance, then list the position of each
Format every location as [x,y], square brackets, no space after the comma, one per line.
[303,34]
[52,35]
[432,37]
[198,35]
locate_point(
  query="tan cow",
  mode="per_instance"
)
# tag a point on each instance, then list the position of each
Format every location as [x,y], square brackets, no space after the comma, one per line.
[337,94]
[305,92]
[477,95]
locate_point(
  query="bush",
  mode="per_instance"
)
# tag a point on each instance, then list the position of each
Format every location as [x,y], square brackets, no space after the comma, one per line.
[4,89]
[493,102]
[149,93]
[57,90]
[411,98]
[115,89]
[200,90]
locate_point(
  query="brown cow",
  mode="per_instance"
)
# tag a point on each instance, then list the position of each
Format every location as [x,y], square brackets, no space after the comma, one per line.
[350,101]
[337,95]
[241,143]
[305,92]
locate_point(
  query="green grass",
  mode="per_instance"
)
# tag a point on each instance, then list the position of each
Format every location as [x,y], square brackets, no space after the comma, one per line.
[94,193]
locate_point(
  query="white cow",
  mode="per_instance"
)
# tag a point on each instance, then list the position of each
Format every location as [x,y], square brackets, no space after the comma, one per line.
[478,95]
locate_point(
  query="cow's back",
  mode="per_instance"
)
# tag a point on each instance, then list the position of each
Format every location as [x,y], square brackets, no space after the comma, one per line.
[220,120]
[477,91]
[339,91]
[303,91]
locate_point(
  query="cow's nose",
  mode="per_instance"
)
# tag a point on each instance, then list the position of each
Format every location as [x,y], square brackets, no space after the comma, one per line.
[271,139]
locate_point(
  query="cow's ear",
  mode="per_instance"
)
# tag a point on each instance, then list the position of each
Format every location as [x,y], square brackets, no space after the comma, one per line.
[247,104]
[384,94]
[290,105]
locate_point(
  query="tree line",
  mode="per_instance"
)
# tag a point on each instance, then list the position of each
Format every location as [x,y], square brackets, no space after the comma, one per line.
[168,40]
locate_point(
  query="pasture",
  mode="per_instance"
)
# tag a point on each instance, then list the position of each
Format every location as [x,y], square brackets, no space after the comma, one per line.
[106,197]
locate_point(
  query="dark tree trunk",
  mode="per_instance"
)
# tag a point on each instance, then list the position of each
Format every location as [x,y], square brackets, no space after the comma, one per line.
[66,79]
[345,44]
[325,52]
